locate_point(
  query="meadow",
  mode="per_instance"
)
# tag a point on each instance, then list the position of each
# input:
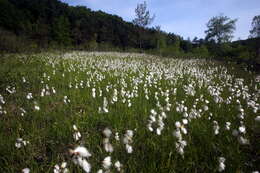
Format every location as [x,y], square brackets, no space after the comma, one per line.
[125,112]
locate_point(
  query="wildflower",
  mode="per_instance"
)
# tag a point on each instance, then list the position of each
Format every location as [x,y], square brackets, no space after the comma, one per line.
[76,135]
[61,169]
[221,166]
[227,125]
[117,136]
[106,163]
[75,127]
[242,129]
[22,112]
[118,166]
[105,103]
[242,140]
[129,133]
[26,170]
[153,112]
[53,90]
[180,144]
[127,140]
[29,96]
[177,124]
[81,151]
[177,134]
[79,154]
[83,163]
[63,165]
[23,79]
[216,127]
[2,99]
[205,107]
[20,142]
[107,132]
[185,121]
[129,148]
[100,171]
[107,145]
[37,108]
[94,92]
[66,100]
[56,169]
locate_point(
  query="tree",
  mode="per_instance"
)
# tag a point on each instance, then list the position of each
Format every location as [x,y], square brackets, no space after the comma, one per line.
[142,19]
[161,44]
[255,31]
[61,31]
[220,29]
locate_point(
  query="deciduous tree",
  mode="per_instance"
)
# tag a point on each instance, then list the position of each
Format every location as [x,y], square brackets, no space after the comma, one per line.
[143,18]
[255,31]
[220,29]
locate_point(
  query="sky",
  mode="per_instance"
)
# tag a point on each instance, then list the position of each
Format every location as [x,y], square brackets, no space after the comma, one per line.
[186,18]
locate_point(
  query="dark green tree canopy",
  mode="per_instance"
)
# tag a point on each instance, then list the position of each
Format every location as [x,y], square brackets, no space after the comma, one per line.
[255,31]
[220,29]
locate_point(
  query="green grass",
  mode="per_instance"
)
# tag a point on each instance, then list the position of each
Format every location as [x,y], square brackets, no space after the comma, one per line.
[50,131]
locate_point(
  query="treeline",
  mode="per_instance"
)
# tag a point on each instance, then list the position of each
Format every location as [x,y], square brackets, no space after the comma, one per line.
[50,23]
[27,25]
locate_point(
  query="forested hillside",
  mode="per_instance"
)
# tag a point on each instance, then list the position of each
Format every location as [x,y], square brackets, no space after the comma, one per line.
[50,22]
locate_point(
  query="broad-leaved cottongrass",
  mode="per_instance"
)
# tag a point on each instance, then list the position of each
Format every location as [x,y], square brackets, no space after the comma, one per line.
[257,119]
[79,155]
[215,127]
[76,134]
[127,140]
[61,169]
[221,164]
[106,163]
[26,170]
[20,143]
[118,166]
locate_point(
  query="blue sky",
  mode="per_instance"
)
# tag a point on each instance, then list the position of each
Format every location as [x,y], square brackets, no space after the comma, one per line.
[187,18]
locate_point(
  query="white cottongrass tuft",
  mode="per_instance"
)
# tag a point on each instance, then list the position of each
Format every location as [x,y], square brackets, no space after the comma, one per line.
[106,163]
[221,162]
[37,108]
[80,154]
[127,140]
[227,126]
[26,170]
[215,127]
[107,132]
[257,119]
[20,143]
[76,134]
[82,163]
[118,166]
[117,136]
[29,96]
[242,129]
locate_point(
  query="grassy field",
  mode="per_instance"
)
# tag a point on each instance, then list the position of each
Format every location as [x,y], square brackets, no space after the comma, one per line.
[119,112]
